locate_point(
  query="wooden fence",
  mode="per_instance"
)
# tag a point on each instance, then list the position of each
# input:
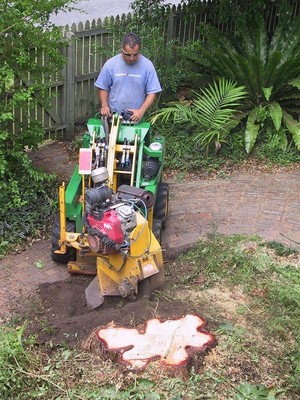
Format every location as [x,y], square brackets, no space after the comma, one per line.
[73,95]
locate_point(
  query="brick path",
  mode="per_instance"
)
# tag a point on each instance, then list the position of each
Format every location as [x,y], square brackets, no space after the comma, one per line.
[266,204]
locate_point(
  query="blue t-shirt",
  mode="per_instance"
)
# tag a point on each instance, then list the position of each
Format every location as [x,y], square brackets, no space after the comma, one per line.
[127,84]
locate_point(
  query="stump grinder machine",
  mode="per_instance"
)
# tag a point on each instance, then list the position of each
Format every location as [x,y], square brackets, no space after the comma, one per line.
[113,210]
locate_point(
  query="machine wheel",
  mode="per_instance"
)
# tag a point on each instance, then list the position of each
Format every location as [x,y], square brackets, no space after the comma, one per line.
[157,229]
[161,207]
[71,252]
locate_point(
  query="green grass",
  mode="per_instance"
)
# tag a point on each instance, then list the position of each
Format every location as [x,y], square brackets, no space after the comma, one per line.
[270,281]
[247,261]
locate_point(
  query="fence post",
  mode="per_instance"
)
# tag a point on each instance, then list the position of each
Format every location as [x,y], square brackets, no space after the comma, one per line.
[171,28]
[70,87]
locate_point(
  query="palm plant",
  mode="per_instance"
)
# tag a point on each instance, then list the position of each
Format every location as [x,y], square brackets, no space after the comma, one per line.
[268,65]
[210,115]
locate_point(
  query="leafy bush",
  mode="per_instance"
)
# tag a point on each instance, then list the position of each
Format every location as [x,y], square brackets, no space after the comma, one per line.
[210,115]
[267,64]
[185,156]
[28,201]
[23,84]
[266,151]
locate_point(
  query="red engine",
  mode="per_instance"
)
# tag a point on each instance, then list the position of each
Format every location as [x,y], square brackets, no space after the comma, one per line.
[108,221]
[109,226]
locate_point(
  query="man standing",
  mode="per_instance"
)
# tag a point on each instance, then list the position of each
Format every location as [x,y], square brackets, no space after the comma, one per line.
[128,81]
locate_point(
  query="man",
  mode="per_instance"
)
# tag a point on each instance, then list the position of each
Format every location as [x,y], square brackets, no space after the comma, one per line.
[128,81]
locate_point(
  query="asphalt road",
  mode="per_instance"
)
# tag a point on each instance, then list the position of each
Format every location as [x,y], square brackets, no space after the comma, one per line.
[88,10]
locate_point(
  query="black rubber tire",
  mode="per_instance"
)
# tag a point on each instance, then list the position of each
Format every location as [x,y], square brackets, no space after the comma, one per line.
[70,254]
[157,229]
[161,207]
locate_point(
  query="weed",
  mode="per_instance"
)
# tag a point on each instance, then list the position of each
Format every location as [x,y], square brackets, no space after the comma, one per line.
[281,250]
[283,298]
[269,153]
[13,360]
[235,337]
[293,365]
[247,391]
[46,327]
[39,264]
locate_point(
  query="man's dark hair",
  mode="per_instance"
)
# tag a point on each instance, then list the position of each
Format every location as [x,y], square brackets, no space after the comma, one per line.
[131,39]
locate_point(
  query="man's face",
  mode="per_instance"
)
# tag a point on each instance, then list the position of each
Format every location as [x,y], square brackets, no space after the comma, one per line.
[131,55]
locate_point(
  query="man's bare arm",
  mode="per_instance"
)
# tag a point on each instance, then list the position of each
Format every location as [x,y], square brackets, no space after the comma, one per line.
[104,106]
[138,114]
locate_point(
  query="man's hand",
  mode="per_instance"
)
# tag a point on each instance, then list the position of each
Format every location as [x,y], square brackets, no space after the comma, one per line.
[105,111]
[137,115]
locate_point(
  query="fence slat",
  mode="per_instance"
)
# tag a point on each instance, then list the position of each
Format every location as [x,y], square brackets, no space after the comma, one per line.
[70,83]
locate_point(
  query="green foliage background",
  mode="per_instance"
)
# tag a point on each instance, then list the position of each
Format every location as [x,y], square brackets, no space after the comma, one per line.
[24,25]
[266,61]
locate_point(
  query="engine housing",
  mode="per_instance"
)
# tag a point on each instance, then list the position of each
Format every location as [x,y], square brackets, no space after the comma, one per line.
[108,221]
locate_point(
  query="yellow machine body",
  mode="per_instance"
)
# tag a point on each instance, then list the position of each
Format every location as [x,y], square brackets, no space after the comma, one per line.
[120,275]
[117,273]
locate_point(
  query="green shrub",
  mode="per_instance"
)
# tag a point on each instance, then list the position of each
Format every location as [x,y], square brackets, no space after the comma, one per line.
[25,194]
[210,115]
[267,64]
[28,201]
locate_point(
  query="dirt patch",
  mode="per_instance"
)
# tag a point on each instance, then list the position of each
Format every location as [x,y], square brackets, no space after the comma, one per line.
[57,313]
